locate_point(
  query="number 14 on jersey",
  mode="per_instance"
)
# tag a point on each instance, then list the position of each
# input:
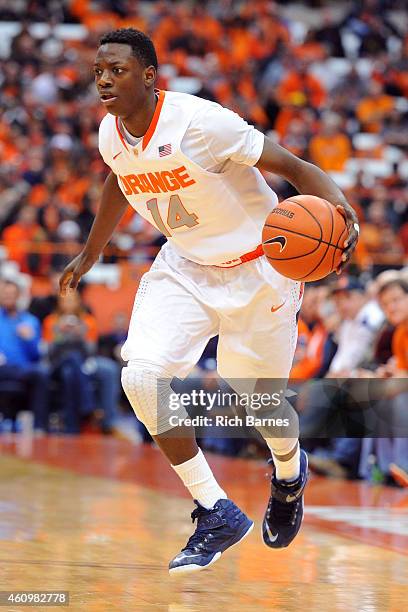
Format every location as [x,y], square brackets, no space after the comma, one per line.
[177,215]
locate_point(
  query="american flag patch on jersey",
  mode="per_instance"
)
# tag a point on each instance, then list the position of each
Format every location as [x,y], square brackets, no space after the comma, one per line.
[164,150]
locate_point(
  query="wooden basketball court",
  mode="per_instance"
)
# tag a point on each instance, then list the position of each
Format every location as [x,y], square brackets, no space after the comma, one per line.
[101,518]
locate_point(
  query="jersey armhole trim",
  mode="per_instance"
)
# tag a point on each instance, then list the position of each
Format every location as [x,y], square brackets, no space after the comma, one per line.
[153,124]
[120,134]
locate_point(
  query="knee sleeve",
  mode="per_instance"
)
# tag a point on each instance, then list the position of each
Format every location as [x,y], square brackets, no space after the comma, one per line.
[147,387]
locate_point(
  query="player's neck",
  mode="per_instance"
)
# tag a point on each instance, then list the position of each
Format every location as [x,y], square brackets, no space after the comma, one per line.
[138,123]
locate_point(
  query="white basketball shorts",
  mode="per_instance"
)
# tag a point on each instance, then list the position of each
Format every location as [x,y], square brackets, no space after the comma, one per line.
[180,305]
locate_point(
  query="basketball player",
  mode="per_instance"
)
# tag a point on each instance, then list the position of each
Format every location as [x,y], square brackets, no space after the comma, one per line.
[190,167]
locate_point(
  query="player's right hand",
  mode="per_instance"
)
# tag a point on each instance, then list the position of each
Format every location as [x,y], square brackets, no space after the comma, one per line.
[73,272]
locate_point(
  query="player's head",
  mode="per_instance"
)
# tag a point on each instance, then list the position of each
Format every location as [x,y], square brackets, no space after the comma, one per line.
[125,70]
[393,299]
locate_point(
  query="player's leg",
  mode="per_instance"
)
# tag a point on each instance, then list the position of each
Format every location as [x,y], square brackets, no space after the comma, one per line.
[169,330]
[259,359]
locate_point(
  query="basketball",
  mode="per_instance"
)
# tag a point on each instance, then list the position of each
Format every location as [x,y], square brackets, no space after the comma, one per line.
[303,238]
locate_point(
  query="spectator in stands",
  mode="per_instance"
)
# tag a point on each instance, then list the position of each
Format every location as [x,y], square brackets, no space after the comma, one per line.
[328,404]
[361,319]
[369,22]
[375,37]
[19,235]
[380,241]
[43,305]
[393,298]
[300,357]
[242,55]
[311,49]
[329,35]
[301,87]
[20,358]
[331,147]
[68,237]
[374,108]
[90,382]
[9,196]
[110,344]
[296,138]
[395,130]
[350,89]
[317,323]
[382,352]
[392,452]
[403,235]
[397,81]
[23,48]
[70,334]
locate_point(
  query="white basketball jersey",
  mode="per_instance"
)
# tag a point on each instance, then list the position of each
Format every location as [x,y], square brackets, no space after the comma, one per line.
[208,218]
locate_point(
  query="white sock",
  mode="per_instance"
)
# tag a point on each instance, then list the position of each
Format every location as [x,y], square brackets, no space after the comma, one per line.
[285,470]
[197,476]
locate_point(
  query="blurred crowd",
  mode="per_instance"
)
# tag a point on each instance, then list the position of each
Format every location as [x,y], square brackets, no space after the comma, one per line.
[334,93]
[353,353]
[349,380]
[55,364]
[349,374]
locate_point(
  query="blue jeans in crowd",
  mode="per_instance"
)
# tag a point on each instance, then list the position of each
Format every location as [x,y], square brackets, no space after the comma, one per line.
[75,393]
[393,447]
[106,377]
[87,384]
[34,380]
[346,451]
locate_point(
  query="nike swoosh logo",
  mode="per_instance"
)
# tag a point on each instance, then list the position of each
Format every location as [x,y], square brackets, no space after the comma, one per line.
[275,308]
[281,240]
[272,538]
[188,557]
[117,154]
[291,498]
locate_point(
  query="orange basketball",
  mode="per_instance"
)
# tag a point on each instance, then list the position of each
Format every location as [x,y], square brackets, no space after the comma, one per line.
[303,238]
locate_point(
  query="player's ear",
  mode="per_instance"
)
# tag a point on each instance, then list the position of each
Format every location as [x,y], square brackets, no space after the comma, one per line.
[149,76]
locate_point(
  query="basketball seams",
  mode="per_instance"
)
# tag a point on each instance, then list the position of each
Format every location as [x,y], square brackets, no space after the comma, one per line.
[319,263]
[332,219]
[297,257]
[301,278]
[323,243]
[302,235]
[310,213]
[294,256]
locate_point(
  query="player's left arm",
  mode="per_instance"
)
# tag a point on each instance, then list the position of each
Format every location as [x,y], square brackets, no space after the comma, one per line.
[309,179]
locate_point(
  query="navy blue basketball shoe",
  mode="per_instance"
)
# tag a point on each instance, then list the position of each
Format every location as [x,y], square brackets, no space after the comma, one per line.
[284,513]
[217,529]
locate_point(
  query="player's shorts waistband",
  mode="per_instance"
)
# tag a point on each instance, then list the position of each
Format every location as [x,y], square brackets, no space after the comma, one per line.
[258,252]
